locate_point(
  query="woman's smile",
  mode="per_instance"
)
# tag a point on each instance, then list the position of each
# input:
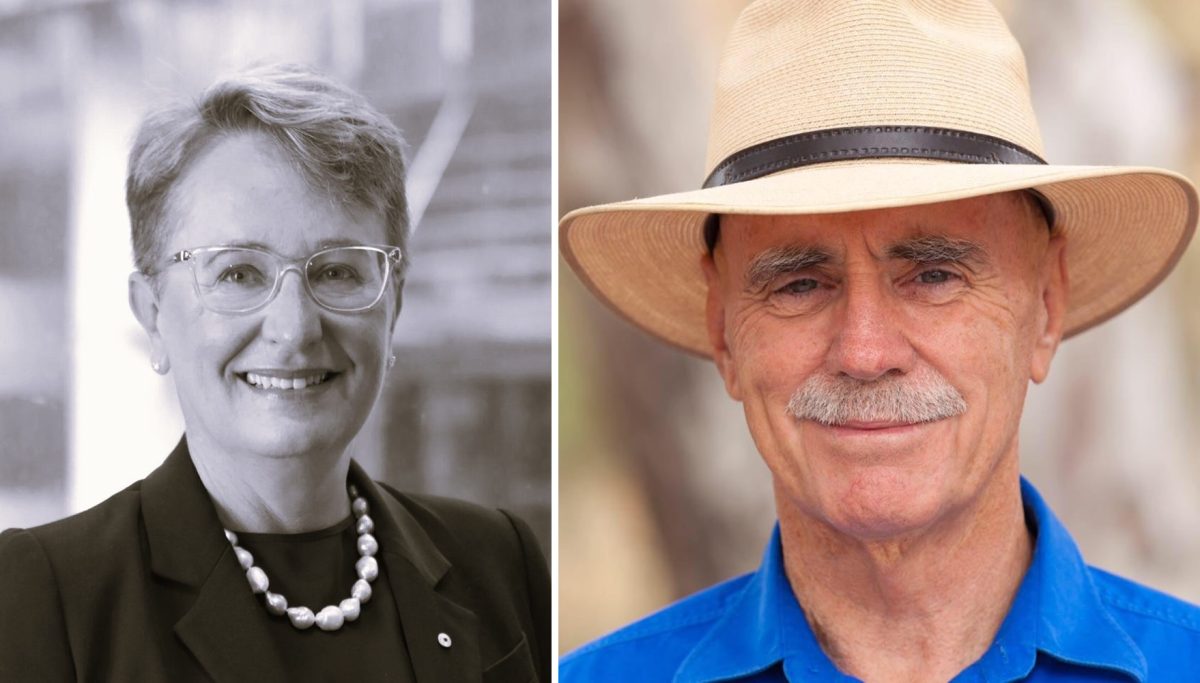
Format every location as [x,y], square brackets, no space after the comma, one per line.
[289,381]
[290,376]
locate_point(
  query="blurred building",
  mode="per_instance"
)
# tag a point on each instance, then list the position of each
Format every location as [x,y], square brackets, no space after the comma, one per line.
[466,411]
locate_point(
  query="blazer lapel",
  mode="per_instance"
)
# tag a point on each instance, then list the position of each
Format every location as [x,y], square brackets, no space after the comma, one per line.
[442,636]
[225,628]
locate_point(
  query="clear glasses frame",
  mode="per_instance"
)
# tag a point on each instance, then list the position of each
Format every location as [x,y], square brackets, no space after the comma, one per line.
[391,256]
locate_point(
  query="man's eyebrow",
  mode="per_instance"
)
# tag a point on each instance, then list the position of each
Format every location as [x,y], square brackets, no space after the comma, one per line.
[938,249]
[777,261]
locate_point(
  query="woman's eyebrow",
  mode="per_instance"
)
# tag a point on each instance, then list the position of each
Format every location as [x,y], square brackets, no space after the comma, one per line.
[777,261]
[938,249]
[338,242]
[245,244]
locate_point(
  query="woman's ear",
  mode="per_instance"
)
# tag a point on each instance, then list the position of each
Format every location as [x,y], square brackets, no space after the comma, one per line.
[143,301]
[398,305]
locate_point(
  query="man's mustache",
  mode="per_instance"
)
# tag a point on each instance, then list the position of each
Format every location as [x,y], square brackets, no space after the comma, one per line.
[904,398]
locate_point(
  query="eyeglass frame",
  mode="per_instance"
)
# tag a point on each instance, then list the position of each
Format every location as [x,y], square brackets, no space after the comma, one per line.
[393,260]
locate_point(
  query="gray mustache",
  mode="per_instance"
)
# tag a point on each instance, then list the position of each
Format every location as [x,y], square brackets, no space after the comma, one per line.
[923,396]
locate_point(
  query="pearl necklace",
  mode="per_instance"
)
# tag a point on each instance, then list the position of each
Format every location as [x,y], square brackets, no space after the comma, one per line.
[331,617]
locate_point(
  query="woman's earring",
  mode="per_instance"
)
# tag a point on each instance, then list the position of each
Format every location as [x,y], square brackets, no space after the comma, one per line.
[391,361]
[160,367]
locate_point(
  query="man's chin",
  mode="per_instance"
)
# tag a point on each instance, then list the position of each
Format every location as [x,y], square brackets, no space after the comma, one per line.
[887,526]
[881,503]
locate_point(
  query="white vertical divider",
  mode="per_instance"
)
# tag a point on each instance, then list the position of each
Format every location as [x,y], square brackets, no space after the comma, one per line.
[122,417]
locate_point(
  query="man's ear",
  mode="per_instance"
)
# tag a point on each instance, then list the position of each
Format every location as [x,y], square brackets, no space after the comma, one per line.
[715,321]
[143,301]
[1055,287]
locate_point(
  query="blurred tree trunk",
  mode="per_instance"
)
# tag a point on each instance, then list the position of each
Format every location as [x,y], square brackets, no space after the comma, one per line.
[1111,438]
[621,80]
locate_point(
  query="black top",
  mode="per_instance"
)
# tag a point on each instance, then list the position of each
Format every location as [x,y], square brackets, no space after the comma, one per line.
[144,587]
[316,569]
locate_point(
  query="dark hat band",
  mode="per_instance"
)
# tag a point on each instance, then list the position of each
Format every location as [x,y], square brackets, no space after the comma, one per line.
[871,142]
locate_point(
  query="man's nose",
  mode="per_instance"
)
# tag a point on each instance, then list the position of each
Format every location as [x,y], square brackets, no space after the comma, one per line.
[868,340]
[292,318]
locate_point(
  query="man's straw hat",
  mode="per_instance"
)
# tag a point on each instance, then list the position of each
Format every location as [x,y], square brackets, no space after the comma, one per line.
[834,106]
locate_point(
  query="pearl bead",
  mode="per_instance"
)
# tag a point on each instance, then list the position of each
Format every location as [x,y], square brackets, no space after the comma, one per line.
[351,608]
[244,557]
[361,591]
[330,618]
[365,525]
[301,617]
[258,579]
[276,603]
[367,545]
[367,568]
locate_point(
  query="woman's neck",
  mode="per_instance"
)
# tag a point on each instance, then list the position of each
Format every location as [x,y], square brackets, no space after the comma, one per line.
[260,494]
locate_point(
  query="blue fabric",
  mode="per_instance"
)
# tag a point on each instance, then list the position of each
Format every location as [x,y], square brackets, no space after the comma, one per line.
[1068,622]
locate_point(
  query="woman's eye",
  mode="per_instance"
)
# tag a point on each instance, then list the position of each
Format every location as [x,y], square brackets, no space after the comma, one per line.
[337,274]
[240,275]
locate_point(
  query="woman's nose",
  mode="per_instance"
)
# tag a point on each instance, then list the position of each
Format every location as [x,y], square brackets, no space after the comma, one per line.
[292,318]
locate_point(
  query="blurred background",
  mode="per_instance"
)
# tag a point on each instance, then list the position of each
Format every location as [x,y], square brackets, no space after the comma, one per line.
[661,490]
[466,410]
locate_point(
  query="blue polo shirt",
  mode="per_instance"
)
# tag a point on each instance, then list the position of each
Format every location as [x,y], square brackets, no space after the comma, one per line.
[1068,622]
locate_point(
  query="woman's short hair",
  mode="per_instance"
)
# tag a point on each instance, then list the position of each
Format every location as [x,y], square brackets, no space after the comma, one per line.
[340,143]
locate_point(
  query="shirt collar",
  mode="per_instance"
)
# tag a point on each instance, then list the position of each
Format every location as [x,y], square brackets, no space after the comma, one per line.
[1073,623]
[1057,611]
[762,626]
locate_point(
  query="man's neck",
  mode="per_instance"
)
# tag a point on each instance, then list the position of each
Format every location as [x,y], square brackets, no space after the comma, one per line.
[920,608]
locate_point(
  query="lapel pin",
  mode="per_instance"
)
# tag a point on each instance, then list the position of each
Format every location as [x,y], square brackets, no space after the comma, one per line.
[444,640]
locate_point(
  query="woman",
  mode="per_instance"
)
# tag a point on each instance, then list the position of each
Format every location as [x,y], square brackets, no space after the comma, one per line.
[269,225]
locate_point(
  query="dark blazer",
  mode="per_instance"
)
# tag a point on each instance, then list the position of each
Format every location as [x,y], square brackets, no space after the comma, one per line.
[144,587]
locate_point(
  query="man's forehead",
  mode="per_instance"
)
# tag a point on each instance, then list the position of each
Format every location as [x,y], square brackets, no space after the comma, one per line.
[886,232]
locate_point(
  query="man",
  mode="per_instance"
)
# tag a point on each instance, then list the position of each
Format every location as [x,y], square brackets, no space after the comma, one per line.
[879,264]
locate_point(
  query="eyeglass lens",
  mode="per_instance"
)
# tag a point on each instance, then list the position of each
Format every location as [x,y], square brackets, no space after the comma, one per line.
[238,279]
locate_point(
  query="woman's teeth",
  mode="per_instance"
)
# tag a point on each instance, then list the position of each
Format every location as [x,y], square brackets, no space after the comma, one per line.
[271,382]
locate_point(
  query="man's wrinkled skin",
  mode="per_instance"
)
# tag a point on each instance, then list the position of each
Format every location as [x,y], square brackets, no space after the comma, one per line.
[878,515]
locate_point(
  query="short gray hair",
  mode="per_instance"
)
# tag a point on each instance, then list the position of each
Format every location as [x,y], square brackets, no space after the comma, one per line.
[342,146]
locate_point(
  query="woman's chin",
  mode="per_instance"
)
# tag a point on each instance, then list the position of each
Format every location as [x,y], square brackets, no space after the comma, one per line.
[278,441]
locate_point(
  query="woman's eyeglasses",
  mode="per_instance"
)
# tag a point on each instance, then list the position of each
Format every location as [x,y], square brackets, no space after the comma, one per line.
[244,279]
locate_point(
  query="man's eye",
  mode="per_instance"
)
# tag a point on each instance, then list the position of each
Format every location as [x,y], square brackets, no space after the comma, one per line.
[801,286]
[935,277]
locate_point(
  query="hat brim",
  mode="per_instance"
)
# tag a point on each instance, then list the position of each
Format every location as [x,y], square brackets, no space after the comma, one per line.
[1126,229]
